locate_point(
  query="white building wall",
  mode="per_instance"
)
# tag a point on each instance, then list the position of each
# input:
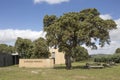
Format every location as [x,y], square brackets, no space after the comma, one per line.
[59,56]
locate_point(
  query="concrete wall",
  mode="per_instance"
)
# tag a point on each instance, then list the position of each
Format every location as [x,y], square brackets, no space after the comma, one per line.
[43,63]
[59,56]
[36,63]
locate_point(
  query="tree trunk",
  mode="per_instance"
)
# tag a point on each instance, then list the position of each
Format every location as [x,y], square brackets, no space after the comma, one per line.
[68,61]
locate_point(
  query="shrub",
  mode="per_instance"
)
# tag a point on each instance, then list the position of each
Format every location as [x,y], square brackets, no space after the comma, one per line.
[108,58]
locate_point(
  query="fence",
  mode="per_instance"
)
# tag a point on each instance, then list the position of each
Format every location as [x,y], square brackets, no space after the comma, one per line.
[5,59]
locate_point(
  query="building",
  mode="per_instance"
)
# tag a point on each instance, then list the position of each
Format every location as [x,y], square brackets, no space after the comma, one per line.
[57,56]
[15,57]
[5,59]
[8,59]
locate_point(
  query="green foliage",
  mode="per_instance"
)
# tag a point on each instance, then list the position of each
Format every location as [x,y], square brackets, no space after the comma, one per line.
[41,50]
[116,58]
[117,50]
[77,28]
[80,53]
[28,49]
[23,47]
[6,49]
[108,58]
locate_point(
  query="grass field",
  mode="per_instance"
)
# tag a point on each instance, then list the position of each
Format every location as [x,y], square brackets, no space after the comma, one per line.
[60,73]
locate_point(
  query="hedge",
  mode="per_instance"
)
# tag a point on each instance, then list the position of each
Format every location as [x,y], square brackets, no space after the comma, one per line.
[108,58]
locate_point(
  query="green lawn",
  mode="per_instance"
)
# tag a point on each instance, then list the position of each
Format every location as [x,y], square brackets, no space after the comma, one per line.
[60,73]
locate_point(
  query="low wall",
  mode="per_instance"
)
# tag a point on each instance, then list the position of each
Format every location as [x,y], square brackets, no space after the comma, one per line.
[36,63]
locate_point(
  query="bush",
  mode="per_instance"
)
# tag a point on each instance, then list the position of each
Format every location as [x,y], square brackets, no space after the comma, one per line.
[116,58]
[108,58]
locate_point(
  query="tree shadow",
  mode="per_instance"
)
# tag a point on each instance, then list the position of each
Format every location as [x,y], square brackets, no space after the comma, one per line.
[73,67]
[59,67]
[78,67]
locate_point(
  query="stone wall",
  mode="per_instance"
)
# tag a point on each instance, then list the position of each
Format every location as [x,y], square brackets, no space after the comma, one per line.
[36,63]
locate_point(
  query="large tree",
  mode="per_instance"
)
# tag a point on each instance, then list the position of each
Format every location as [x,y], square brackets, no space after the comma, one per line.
[28,49]
[117,51]
[24,47]
[41,49]
[74,29]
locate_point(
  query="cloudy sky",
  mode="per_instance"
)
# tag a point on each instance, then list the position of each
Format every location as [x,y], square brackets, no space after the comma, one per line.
[24,18]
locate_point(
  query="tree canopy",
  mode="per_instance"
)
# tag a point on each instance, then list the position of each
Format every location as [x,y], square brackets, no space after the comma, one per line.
[74,29]
[41,49]
[23,47]
[28,49]
[4,48]
[117,51]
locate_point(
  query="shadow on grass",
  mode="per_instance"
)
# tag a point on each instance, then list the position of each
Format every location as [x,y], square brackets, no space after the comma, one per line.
[59,67]
[73,67]
[78,67]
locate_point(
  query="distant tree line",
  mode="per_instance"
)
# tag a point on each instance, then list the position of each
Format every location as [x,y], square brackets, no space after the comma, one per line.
[108,58]
[117,51]
[6,49]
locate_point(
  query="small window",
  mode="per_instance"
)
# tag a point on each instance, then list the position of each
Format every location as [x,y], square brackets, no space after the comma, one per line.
[53,55]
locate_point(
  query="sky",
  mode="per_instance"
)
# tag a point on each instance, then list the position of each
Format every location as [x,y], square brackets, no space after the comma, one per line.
[24,18]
